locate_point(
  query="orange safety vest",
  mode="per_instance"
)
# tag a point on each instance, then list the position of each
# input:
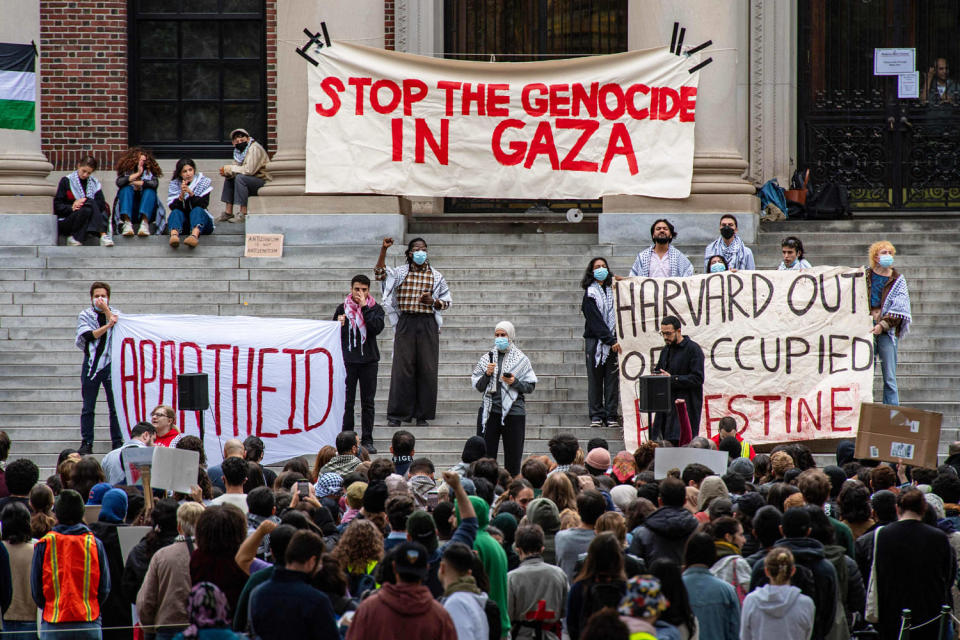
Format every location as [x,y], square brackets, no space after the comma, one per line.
[71,576]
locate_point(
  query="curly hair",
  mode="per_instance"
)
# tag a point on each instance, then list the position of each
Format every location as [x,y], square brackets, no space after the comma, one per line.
[875,248]
[643,456]
[360,544]
[129,159]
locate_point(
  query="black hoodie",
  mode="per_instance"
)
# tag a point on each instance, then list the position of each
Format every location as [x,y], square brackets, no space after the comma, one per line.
[664,534]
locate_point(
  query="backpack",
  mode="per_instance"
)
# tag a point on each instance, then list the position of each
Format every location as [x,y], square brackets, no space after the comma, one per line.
[597,595]
[831,202]
[802,579]
[772,192]
[492,612]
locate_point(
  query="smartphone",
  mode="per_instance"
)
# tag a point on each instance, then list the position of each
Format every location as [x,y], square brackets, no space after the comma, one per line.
[303,488]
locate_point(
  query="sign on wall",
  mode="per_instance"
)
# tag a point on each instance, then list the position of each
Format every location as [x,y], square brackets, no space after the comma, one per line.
[277,378]
[788,354]
[395,123]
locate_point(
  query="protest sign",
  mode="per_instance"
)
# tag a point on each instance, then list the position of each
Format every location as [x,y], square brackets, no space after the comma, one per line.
[788,354]
[666,458]
[395,123]
[130,537]
[891,433]
[174,469]
[133,458]
[277,378]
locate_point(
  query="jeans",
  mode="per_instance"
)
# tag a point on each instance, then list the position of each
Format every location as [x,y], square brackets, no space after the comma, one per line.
[886,348]
[603,384]
[512,432]
[90,389]
[20,629]
[127,197]
[198,218]
[366,375]
[78,630]
[239,188]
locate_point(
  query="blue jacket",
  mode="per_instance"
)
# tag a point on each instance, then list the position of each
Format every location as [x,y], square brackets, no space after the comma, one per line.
[714,603]
[286,606]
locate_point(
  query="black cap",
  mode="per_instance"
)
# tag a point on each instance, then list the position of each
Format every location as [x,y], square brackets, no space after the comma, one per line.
[411,559]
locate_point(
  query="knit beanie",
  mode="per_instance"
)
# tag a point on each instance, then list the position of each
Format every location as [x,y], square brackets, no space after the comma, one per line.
[742,467]
[114,506]
[598,459]
[845,452]
[474,449]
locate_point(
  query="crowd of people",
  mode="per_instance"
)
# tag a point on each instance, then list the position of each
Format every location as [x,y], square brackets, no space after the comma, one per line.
[82,209]
[580,544]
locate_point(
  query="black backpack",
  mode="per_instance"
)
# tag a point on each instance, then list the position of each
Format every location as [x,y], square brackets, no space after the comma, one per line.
[492,611]
[597,595]
[831,202]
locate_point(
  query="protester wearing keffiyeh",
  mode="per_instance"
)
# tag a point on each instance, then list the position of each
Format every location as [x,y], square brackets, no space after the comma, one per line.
[357,326]
[200,185]
[890,308]
[730,246]
[679,264]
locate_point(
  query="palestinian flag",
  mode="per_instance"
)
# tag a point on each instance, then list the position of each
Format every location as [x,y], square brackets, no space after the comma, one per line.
[18,86]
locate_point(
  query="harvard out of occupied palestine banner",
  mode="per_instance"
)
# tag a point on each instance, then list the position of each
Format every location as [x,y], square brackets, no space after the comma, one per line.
[395,123]
[278,378]
[788,354]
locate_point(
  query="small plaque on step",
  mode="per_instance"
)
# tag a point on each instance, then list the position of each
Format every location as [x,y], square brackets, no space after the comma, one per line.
[263,245]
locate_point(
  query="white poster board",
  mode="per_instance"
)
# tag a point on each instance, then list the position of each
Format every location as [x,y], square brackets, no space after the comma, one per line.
[129,537]
[666,458]
[174,469]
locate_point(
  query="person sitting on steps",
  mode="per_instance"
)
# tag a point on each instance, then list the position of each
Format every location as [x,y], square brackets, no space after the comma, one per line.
[80,206]
[245,176]
[138,177]
[188,198]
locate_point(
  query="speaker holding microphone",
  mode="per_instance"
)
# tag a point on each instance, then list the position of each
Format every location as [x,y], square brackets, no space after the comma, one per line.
[653,394]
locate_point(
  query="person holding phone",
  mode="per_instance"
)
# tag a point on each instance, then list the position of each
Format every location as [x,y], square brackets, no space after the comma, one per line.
[188,198]
[504,376]
[414,296]
[94,332]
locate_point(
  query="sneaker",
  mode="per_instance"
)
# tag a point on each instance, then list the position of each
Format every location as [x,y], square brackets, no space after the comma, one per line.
[237,218]
[106,241]
[73,242]
[393,423]
[86,448]
[372,450]
[174,239]
[618,423]
[422,423]
[596,424]
[191,240]
[225,217]
[144,230]
[127,229]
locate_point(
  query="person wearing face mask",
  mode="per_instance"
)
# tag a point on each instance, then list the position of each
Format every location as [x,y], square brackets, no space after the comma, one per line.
[188,198]
[662,260]
[504,376]
[730,246]
[682,360]
[80,206]
[717,264]
[600,344]
[245,176]
[414,297]
[94,333]
[793,259]
[890,309]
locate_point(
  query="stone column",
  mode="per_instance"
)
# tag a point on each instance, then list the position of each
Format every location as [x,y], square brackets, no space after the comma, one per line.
[282,205]
[721,129]
[26,196]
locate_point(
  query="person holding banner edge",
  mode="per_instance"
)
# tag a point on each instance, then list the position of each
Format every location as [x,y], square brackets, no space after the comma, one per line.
[414,297]
[890,309]
[600,344]
[682,360]
[94,332]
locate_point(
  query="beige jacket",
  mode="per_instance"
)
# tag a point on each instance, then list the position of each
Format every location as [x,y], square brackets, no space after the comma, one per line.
[162,599]
[254,163]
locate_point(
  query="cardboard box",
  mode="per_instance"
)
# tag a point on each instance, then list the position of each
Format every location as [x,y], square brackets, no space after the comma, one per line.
[890,433]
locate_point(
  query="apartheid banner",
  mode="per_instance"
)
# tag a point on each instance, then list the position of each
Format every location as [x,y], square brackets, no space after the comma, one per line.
[395,123]
[277,378]
[788,354]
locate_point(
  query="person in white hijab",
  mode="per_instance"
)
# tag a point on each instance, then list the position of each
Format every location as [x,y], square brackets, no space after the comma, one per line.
[504,376]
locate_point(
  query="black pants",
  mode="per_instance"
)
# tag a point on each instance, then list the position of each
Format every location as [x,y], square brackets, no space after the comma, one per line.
[87,219]
[512,432]
[90,389]
[603,385]
[366,375]
[413,378]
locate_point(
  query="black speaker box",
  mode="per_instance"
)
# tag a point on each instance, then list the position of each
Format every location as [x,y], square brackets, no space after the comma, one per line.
[192,394]
[653,394]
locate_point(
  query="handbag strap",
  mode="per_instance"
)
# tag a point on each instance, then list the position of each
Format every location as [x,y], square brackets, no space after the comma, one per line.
[873,561]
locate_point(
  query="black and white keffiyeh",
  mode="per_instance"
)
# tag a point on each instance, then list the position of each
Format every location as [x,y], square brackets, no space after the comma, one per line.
[200,186]
[238,155]
[734,253]
[897,305]
[97,351]
[389,286]
[515,362]
[76,187]
[680,266]
[603,296]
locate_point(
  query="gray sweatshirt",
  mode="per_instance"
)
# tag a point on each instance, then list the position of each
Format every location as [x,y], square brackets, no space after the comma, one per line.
[776,611]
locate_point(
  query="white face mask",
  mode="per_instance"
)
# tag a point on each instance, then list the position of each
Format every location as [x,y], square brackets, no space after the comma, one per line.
[101,302]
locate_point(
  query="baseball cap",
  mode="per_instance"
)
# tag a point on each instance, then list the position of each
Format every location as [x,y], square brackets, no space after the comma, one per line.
[411,560]
[239,131]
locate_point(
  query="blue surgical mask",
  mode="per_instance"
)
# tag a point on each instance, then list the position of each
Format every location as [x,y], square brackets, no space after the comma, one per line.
[501,343]
[601,274]
[717,267]
[419,257]
[885,261]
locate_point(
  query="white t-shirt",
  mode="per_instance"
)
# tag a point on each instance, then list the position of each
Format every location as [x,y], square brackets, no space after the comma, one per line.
[238,500]
[659,268]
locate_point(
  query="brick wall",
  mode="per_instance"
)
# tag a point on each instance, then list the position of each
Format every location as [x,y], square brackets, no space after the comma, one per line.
[83,49]
[389,14]
[83,52]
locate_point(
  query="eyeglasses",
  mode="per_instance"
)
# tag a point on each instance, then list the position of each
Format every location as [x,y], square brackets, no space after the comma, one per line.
[159,415]
[667,334]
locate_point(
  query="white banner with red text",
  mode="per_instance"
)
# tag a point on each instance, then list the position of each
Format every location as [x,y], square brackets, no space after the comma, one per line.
[280,379]
[396,123]
[788,354]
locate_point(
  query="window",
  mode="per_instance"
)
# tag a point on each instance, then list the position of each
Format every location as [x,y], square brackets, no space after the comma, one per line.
[197,71]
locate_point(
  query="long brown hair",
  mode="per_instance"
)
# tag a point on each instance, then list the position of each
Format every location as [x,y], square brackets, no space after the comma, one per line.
[559,489]
[604,560]
[129,159]
[325,455]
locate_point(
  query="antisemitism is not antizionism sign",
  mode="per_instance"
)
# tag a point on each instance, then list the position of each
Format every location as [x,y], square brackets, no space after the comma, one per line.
[18,86]
[277,378]
[788,354]
[395,123]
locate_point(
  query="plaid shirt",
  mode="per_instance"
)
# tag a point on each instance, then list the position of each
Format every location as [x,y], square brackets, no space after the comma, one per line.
[418,281]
